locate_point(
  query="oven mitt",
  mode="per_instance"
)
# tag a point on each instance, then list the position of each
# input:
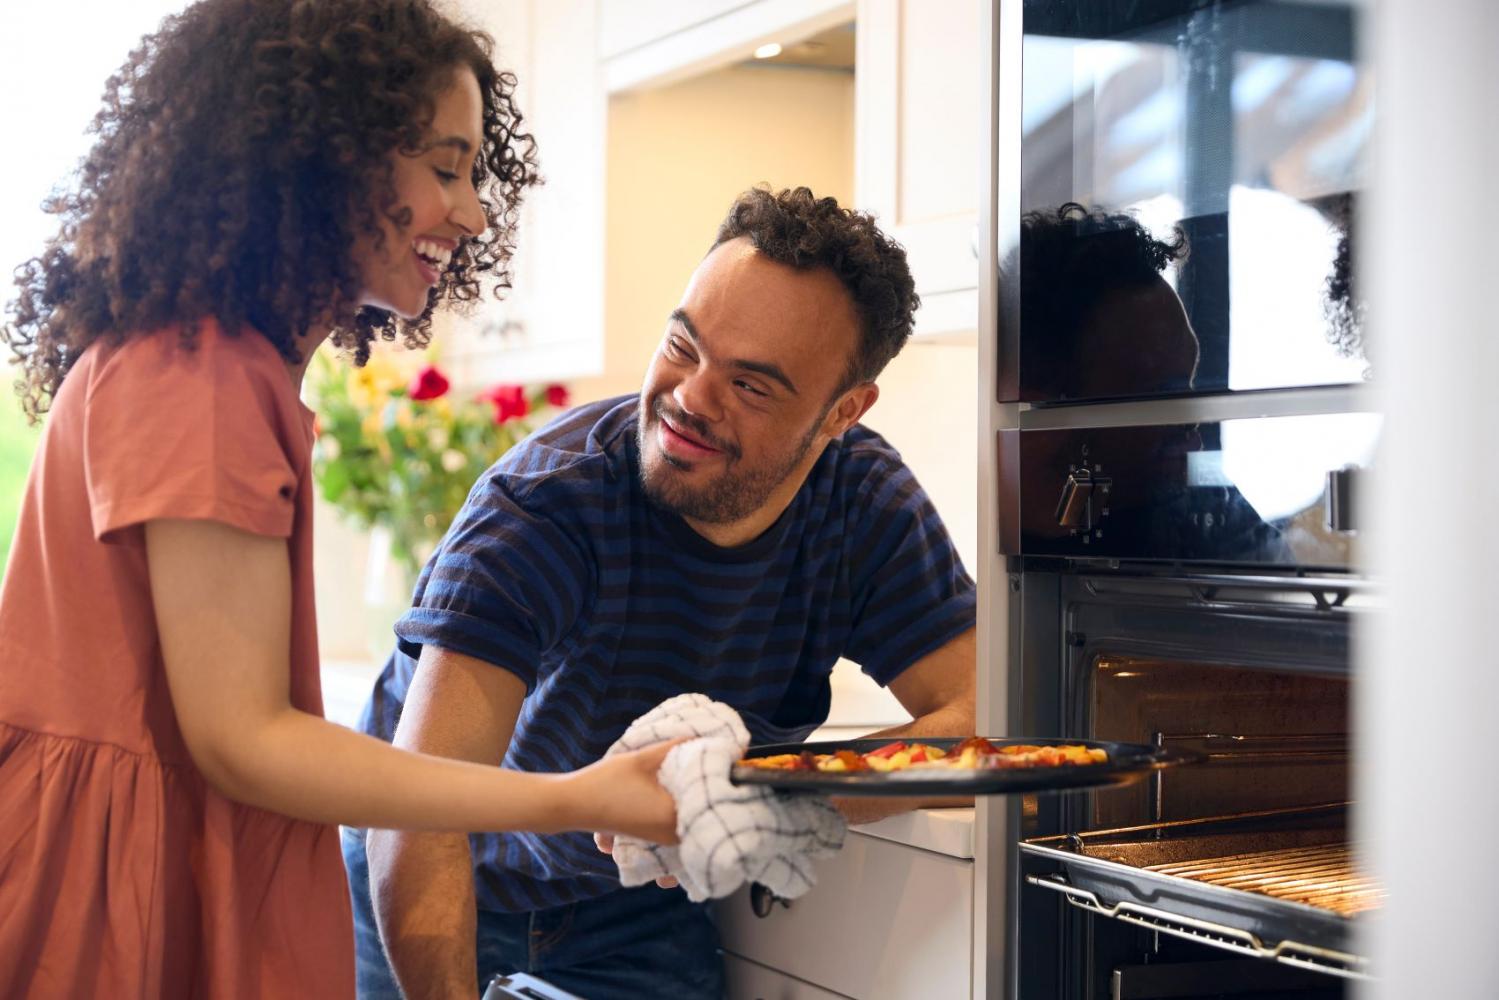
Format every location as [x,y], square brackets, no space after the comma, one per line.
[730,834]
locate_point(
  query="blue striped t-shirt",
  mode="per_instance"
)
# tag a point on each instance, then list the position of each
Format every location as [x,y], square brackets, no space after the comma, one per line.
[559,570]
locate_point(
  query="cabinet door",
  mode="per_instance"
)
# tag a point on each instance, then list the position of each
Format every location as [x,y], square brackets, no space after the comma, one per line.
[885,921]
[917,108]
[550,325]
[746,980]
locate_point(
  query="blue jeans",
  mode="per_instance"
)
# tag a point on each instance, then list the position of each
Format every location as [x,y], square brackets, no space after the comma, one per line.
[644,942]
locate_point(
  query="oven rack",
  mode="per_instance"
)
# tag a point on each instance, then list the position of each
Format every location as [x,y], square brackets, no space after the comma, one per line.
[1323,876]
[1279,885]
[1221,936]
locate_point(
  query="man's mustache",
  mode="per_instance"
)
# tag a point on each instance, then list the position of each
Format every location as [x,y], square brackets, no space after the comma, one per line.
[694,426]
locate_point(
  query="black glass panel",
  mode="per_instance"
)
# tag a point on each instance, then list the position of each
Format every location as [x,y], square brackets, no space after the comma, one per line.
[1190,178]
[1252,491]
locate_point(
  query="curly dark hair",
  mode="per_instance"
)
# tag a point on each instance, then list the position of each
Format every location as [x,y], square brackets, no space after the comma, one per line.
[242,149]
[796,228]
[1083,255]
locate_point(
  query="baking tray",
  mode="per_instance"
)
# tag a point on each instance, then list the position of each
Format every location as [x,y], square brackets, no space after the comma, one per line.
[1127,762]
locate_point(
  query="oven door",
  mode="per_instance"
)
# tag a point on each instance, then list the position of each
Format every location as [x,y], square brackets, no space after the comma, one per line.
[1231,877]
[1189,184]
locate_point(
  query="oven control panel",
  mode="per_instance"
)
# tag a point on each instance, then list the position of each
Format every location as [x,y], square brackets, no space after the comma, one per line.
[1254,491]
[1084,502]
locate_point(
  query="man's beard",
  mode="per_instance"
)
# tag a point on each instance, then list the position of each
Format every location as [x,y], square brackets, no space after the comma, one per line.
[733,495]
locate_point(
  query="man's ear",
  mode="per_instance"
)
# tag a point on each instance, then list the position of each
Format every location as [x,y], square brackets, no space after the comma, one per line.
[850,408]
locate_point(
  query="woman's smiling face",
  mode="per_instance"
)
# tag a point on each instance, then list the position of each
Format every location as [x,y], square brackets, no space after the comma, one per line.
[435,185]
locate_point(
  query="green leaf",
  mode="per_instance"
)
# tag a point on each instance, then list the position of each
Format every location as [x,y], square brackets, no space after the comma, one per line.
[335,481]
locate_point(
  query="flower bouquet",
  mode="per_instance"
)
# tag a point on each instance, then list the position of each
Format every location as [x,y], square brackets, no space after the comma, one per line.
[396,451]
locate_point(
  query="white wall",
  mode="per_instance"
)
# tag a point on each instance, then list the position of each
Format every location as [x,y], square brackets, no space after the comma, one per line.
[1427,687]
[677,157]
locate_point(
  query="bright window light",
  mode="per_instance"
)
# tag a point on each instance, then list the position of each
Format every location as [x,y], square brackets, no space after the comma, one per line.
[97,36]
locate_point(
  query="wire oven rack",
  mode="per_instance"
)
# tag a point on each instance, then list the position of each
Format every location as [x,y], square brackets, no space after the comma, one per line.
[1279,885]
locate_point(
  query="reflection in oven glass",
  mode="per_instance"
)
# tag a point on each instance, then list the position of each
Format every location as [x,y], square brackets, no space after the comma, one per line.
[1232,133]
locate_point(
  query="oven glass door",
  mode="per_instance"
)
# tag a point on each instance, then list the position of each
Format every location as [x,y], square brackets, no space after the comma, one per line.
[1249,843]
[1190,178]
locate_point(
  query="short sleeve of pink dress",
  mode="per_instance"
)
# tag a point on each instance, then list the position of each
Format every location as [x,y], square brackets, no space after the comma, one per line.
[122,873]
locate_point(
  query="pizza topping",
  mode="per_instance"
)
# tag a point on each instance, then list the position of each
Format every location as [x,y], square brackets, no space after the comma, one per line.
[888,750]
[969,754]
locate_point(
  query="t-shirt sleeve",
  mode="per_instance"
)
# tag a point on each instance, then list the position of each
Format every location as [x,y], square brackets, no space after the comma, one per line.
[910,593]
[192,434]
[508,581]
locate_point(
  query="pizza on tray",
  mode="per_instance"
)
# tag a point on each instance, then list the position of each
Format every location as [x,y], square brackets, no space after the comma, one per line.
[972,754]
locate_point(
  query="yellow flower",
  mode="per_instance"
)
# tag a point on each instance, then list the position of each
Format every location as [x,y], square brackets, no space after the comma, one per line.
[371,386]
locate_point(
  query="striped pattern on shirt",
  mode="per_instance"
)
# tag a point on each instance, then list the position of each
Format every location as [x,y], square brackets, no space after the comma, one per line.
[559,570]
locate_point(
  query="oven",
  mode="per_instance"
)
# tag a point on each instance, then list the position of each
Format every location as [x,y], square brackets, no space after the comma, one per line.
[1189,585]
[1179,426]
[1192,171]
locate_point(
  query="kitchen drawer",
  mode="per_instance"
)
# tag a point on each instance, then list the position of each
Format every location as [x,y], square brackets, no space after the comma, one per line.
[751,981]
[884,921]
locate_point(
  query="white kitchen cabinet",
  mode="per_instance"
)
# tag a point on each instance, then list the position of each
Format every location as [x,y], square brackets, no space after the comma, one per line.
[886,921]
[917,110]
[550,326]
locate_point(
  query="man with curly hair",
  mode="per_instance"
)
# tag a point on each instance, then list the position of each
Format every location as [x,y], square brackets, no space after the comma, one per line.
[732,530]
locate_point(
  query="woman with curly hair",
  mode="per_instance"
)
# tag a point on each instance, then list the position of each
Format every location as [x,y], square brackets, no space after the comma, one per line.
[268,174]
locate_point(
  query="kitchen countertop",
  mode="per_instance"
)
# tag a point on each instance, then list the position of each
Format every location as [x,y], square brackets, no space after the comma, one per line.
[942,831]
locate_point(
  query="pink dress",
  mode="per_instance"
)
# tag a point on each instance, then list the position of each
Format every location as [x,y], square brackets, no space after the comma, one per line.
[122,873]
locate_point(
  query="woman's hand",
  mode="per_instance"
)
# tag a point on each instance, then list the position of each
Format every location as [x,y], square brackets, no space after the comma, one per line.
[620,794]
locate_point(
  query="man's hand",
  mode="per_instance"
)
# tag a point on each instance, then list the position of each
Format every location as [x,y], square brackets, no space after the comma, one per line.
[605,843]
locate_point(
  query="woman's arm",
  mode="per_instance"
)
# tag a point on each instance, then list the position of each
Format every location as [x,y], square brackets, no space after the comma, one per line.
[422,884]
[223,611]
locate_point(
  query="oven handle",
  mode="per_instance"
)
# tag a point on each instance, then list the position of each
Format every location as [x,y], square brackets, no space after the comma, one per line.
[1302,956]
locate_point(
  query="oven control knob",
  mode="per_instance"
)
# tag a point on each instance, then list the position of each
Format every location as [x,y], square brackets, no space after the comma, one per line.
[1075,508]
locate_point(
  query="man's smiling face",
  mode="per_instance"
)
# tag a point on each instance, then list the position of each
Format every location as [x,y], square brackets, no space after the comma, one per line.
[736,405]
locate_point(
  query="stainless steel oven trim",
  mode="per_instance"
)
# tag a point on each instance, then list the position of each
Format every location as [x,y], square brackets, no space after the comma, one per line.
[1316,401]
[1221,936]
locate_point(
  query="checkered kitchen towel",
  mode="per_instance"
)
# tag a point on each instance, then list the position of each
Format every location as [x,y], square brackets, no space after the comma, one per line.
[730,834]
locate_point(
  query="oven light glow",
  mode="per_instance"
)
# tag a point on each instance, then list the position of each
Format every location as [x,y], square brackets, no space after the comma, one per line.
[768,51]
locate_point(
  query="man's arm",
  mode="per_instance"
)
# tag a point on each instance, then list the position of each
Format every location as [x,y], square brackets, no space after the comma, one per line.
[423,883]
[939,691]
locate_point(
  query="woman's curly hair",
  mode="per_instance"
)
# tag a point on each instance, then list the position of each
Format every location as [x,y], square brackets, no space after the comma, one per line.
[242,149]
[1073,256]
[796,228]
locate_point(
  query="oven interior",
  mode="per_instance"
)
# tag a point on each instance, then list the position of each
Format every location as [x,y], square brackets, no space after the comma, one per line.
[1228,877]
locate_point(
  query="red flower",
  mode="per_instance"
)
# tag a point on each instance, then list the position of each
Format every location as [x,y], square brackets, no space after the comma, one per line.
[429,383]
[557,394]
[509,402]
